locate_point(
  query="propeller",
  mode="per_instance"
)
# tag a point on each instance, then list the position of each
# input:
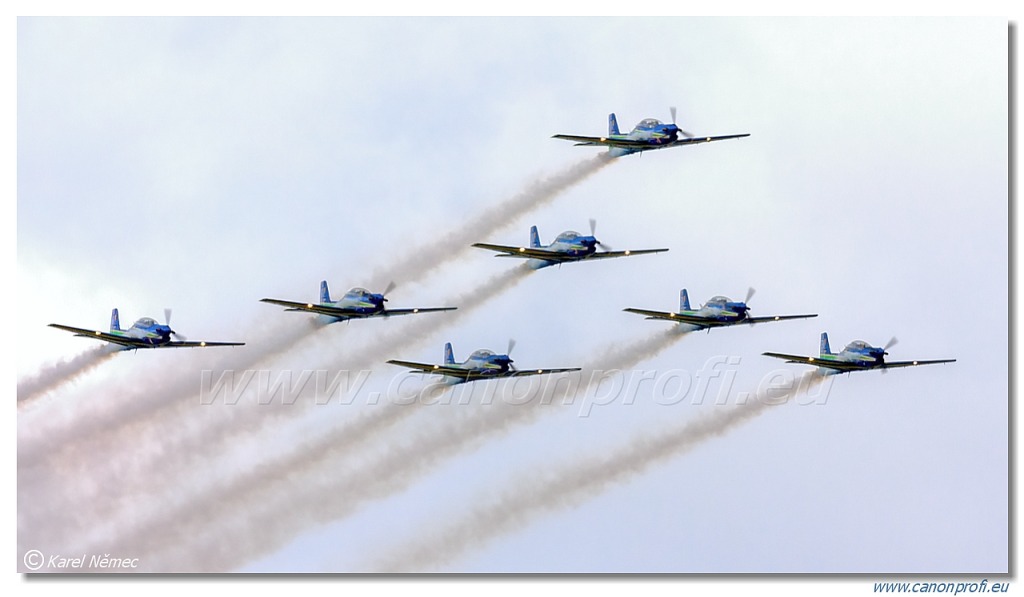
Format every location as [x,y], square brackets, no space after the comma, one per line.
[593,228]
[167,322]
[389,288]
[746,301]
[672,110]
[892,342]
[508,351]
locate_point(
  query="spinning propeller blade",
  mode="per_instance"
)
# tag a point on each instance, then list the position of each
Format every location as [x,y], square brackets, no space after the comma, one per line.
[167,322]
[388,289]
[593,228]
[508,351]
[672,110]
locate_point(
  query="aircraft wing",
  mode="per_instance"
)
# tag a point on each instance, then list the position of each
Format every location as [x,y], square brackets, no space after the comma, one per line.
[390,312]
[557,256]
[898,364]
[526,252]
[130,342]
[525,372]
[777,318]
[314,308]
[641,144]
[627,253]
[842,366]
[847,366]
[435,369]
[106,337]
[676,317]
[200,344]
[696,140]
[631,143]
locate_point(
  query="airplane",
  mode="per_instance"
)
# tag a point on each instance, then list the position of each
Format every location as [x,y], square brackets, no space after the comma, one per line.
[482,364]
[144,333]
[718,312]
[857,356]
[648,134]
[358,303]
[568,246]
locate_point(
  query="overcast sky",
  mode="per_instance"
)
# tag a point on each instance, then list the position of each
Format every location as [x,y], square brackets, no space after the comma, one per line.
[203,164]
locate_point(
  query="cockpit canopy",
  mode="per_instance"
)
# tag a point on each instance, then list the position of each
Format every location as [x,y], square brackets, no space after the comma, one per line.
[649,123]
[567,236]
[359,291]
[482,354]
[145,322]
[857,345]
[718,300]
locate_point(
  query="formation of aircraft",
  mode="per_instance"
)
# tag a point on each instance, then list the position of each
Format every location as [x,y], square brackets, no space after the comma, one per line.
[718,312]
[648,134]
[358,303]
[481,364]
[567,247]
[144,333]
[857,356]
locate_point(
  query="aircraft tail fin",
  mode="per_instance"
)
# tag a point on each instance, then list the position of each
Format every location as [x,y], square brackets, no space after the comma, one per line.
[684,300]
[449,356]
[824,344]
[613,125]
[115,321]
[325,294]
[534,237]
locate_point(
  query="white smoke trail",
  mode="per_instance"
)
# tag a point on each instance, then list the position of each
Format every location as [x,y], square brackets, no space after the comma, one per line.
[237,525]
[137,408]
[495,217]
[190,472]
[52,376]
[541,492]
[99,434]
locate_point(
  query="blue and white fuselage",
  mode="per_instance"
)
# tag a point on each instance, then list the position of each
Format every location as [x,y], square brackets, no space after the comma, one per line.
[149,331]
[857,356]
[720,311]
[144,333]
[481,364]
[573,245]
[567,247]
[647,135]
[357,303]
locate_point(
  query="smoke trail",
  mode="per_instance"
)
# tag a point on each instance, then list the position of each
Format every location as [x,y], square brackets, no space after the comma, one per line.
[135,408]
[494,218]
[63,371]
[246,521]
[134,416]
[187,474]
[540,492]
